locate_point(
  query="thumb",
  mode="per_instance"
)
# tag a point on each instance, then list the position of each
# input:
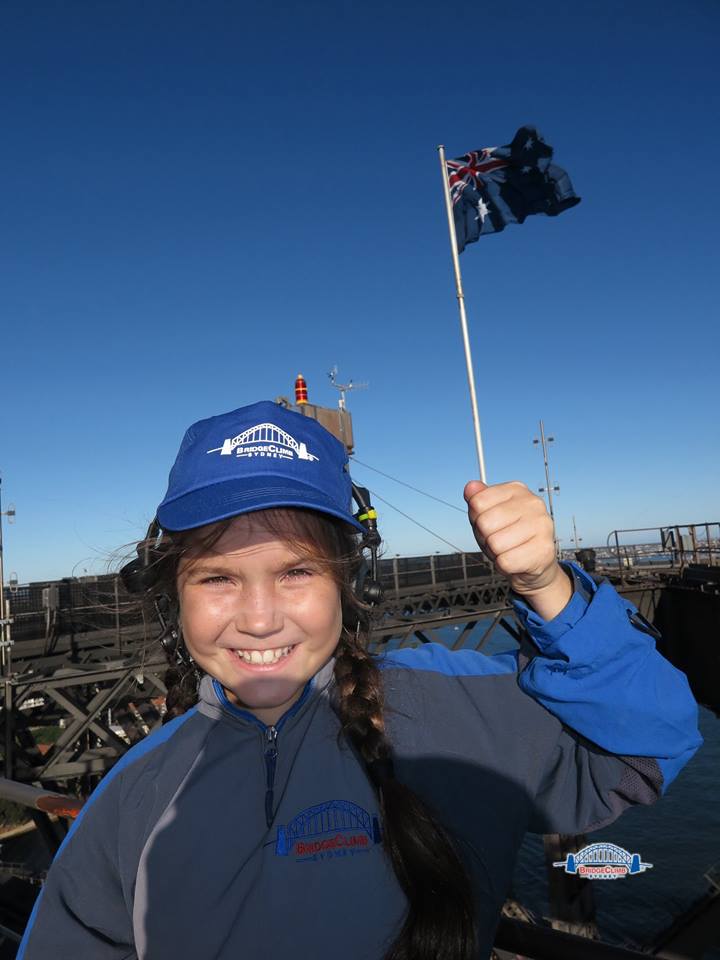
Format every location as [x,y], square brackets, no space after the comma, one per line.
[473,487]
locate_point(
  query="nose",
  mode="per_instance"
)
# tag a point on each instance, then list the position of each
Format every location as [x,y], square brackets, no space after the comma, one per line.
[258,613]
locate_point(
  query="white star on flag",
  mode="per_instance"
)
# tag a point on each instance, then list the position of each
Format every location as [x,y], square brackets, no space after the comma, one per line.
[483,210]
[528,143]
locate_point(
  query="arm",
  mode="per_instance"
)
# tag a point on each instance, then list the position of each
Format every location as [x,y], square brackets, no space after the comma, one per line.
[629,719]
[85,910]
[599,673]
[81,912]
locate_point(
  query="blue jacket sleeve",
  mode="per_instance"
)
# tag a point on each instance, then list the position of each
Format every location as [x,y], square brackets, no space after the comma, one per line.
[82,910]
[599,673]
[85,909]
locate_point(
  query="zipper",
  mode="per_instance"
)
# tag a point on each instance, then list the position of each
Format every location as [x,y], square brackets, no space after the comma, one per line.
[270,738]
[270,764]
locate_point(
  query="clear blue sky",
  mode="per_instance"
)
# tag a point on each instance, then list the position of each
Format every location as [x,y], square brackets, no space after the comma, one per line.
[200,199]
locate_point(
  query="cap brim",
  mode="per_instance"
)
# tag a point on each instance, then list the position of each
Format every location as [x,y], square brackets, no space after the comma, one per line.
[220,501]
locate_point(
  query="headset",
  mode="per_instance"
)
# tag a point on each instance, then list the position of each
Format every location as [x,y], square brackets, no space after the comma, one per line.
[140,575]
[367,585]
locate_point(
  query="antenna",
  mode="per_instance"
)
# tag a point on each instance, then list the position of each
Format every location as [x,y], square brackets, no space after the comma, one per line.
[576,538]
[344,387]
[549,487]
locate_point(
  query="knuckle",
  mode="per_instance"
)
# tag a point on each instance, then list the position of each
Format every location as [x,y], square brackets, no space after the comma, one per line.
[494,542]
[549,529]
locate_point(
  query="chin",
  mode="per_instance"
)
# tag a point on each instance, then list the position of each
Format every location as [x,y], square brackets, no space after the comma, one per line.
[268,694]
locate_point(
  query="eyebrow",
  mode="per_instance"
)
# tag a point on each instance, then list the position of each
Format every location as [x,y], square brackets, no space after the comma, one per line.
[198,568]
[217,569]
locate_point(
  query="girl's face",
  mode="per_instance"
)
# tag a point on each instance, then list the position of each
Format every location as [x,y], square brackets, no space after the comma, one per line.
[257,616]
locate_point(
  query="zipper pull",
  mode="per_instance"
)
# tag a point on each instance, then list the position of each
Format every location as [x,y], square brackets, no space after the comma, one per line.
[270,760]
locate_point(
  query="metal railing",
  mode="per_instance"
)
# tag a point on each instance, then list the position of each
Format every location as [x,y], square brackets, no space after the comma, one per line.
[536,942]
[44,801]
[90,604]
[70,605]
[676,546]
[432,570]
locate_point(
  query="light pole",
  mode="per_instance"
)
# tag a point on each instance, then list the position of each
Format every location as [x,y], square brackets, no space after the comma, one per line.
[6,647]
[576,538]
[549,488]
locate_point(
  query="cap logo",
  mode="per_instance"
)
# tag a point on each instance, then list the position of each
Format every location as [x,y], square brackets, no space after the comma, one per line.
[264,440]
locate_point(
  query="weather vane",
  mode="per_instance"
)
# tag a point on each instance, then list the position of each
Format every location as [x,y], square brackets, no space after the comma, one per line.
[344,387]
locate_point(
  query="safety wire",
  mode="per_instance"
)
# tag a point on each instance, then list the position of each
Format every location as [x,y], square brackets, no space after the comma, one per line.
[406,515]
[416,522]
[408,485]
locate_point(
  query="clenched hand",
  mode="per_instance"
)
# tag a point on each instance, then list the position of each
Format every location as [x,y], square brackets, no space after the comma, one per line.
[515,532]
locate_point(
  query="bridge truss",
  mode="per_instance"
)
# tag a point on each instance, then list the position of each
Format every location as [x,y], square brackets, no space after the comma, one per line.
[79,699]
[79,702]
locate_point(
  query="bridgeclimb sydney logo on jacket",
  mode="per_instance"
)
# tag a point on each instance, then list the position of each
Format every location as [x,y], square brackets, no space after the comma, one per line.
[336,828]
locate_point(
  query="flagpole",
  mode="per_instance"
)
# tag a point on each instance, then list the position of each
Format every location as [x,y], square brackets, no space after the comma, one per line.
[463,316]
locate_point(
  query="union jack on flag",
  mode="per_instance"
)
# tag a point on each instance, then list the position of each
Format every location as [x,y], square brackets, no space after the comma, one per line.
[495,186]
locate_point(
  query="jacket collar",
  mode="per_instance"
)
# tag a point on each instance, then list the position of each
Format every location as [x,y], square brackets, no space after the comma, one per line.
[214,702]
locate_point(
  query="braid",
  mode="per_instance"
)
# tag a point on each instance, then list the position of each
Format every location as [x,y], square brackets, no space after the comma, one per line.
[361,700]
[440,923]
[182,690]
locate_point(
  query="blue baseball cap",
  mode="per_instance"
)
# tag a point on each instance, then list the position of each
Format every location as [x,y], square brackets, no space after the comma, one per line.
[256,458]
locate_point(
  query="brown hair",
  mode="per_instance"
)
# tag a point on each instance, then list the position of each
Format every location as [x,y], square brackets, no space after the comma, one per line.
[440,922]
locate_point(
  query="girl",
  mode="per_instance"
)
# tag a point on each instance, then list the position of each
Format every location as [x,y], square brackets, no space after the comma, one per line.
[310,799]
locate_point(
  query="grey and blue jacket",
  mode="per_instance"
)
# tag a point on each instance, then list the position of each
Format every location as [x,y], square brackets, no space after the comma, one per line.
[218,838]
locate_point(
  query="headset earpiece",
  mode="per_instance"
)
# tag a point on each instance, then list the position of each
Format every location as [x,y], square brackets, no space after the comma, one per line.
[134,576]
[373,593]
[367,582]
[170,638]
[139,575]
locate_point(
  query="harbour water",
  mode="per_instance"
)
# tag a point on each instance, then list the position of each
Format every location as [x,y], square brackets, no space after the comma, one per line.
[680,836]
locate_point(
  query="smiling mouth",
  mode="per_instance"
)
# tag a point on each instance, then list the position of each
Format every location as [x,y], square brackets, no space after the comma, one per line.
[263,658]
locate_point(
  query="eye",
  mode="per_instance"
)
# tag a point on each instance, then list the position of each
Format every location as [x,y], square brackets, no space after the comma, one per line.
[298,573]
[217,578]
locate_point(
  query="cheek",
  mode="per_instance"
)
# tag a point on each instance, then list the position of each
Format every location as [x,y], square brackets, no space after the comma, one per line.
[320,617]
[200,621]
[329,626]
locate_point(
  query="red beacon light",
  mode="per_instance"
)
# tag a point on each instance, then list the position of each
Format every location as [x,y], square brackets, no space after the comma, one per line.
[301,395]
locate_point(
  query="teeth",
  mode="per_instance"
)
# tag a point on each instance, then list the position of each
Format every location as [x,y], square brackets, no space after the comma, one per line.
[264,656]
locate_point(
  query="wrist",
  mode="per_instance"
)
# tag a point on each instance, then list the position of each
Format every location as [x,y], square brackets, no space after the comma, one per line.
[549,600]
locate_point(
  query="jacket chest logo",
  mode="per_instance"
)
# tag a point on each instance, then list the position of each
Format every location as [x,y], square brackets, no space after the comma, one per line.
[336,828]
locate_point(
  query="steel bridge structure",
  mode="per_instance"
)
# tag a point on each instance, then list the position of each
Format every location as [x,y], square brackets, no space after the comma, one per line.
[88,677]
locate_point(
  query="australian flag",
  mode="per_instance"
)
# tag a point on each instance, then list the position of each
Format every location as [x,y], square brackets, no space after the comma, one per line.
[495,186]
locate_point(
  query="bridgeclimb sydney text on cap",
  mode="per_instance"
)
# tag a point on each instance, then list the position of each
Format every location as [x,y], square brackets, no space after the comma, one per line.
[255,458]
